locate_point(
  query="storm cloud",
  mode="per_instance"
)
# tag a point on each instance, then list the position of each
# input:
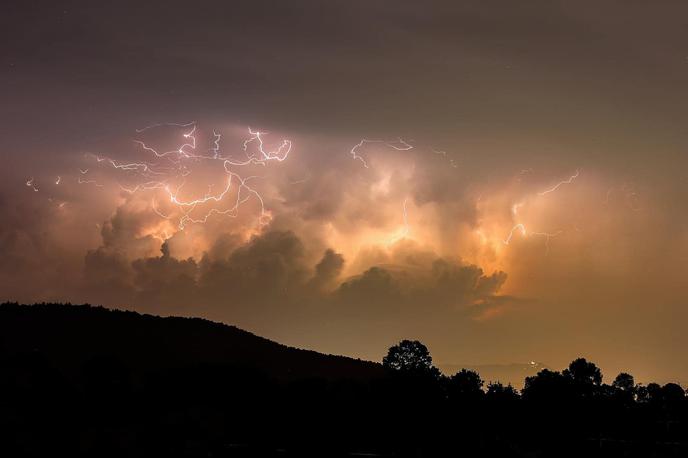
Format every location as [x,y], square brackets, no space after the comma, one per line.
[456,240]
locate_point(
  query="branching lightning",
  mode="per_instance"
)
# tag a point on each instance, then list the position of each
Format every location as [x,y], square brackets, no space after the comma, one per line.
[168,172]
[399,145]
[521,228]
[170,178]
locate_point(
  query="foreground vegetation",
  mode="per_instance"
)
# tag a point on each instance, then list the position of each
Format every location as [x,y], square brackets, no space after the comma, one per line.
[91,382]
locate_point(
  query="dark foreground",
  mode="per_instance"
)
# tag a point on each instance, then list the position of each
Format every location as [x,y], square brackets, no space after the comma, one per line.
[85,381]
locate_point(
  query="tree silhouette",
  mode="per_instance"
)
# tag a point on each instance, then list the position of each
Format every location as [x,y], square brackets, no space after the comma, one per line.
[583,372]
[501,393]
[409,356]
[546,385]
[465,385]
[673,393]
[650,393]
[624,382]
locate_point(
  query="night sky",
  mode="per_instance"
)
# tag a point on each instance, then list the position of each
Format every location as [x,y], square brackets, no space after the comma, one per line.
[520,194]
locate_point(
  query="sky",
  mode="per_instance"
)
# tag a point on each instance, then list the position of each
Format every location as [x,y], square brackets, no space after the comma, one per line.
[504,181]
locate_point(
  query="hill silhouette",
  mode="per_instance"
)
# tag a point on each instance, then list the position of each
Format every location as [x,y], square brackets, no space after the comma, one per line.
[87,381]
[71,335]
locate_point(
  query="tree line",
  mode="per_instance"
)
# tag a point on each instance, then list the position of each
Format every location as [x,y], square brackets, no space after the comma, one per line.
[104,403]
[557,413]
[582,379]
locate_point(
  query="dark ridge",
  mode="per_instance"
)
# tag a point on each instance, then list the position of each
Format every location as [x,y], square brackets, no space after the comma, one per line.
[70,335]
[77,380]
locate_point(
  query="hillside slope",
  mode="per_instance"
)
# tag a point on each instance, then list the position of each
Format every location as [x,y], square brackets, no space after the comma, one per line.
[71,335]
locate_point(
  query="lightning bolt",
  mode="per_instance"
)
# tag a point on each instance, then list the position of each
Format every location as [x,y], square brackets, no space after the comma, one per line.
[30,183]
[452,162]
[520,227]
[80,181]
[403,146]
[158,212]
[405,231]
[162,124]
[548,236]
[167,171]
[561,183]
[216,144]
